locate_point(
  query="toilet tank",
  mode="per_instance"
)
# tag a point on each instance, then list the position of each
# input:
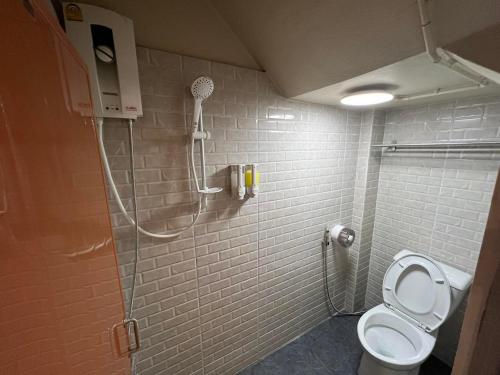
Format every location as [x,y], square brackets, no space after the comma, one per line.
[459,281]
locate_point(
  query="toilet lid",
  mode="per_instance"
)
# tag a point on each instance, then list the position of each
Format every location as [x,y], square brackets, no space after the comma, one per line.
[417,287]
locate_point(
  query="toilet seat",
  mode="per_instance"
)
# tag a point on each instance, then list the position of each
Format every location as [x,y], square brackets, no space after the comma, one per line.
[398,335]
[416,288]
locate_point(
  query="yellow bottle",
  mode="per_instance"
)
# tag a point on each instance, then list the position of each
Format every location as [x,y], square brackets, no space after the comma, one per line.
[248,178]
[252,180]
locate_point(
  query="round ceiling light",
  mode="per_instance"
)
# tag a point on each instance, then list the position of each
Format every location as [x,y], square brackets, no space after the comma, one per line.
[363,98]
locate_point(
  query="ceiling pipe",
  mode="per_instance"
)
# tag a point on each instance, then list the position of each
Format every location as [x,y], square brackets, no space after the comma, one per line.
[450,62]
[438,91]
[426,25]
[440,55]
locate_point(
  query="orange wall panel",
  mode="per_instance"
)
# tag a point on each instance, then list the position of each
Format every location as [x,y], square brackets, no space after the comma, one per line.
[59,281]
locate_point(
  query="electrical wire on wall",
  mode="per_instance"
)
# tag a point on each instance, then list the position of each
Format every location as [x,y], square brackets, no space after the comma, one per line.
[201,89]
[136,228]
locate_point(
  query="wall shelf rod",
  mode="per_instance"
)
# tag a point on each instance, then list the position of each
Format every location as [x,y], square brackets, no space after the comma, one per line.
[456,146]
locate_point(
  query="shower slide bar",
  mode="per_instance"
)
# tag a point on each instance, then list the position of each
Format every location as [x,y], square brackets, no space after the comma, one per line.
[455,146]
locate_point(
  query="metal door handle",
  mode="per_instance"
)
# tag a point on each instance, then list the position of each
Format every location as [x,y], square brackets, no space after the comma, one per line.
[137,338]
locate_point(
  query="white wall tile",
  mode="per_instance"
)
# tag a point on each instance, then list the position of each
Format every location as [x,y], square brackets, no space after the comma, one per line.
[434,203]
[247,278]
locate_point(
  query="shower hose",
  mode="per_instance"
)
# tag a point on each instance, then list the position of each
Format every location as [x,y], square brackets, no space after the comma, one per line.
[134,220]
[114,190]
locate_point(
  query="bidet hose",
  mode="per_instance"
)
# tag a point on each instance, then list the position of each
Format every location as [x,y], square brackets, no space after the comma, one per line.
[332,310]
[114,190]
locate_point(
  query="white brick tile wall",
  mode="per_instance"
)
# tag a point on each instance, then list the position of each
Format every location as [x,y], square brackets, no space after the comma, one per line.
[363,214]
[247,278]
[435,203]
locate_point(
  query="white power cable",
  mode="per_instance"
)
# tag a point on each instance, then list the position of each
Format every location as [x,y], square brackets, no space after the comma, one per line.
[114,190]
[136,230]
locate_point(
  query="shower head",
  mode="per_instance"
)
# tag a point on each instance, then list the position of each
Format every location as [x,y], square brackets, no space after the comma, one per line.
[201,89]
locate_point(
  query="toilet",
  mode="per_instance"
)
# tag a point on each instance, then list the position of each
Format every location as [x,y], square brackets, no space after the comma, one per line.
[419,295]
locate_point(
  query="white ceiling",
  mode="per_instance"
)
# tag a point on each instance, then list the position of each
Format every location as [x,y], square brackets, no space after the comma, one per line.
[411,76]
[314,50]
[305,45]
[187,27]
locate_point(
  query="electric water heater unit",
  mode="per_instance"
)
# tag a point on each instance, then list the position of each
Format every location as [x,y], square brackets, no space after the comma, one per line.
[105,41]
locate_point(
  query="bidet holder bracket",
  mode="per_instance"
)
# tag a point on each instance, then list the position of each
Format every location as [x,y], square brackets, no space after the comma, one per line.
[340,235]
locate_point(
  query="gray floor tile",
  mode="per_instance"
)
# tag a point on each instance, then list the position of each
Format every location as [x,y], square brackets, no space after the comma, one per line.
[331,348]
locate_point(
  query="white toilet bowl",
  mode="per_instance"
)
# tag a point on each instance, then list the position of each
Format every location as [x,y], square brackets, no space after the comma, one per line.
[419,295]
[392,345]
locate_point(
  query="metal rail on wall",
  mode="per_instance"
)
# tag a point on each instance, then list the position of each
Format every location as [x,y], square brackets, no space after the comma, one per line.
[442,146]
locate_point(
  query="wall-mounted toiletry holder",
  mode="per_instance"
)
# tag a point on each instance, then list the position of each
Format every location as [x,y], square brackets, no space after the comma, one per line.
[245,180]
